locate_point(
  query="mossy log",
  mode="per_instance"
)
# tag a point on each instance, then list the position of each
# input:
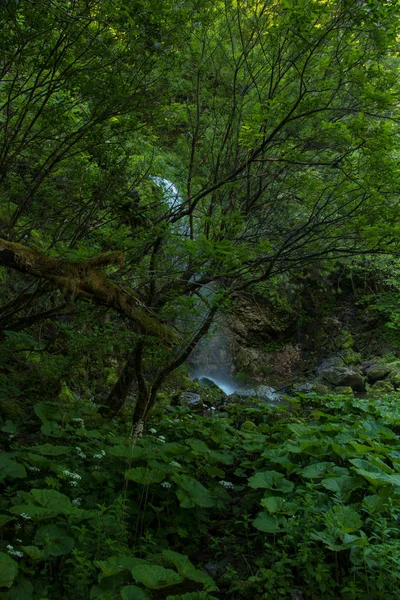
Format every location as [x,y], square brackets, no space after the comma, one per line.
[83,279]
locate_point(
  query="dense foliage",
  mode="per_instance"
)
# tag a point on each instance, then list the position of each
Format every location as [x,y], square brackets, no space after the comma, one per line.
[157,162]
[248,502]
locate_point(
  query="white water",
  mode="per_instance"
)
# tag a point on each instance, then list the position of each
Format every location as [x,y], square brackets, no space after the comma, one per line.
[170,191]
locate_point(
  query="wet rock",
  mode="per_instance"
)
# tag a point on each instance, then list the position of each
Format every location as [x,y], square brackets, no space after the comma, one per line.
[190,399]
[377,372]
[333,361]
[311,387]
[344,376]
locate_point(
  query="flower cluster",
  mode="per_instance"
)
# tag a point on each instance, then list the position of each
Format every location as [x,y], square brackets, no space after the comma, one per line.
[73,477]
[34,469]
[80,422]
[80,453]
[13,552]
[100,455]
[161,438]
[25,516]
[175,464]
[226,484]
[166,484]
[152,430]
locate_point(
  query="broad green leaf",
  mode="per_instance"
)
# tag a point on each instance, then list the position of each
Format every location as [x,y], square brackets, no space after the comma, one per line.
[4,519]
[50,450]
[344,518]
[47,411]
[145,476]
[10,467]
[375,504]
[343,484]
[271,480]
[155,577]
[276,504]
[52,500]
[54,539]
[185,568]
[34,552]
[192,493]
[132,592]
[266,523]
[9,427]
[316,470]
[8,570]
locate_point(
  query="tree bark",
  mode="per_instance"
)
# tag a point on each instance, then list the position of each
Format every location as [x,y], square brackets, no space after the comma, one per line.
[84,280]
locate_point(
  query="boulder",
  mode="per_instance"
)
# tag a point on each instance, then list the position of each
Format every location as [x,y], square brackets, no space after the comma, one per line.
[344,376]
[333,361]
[377,372]
[311,387]
[381,387]
[190,399]
[344,389]
[394,379]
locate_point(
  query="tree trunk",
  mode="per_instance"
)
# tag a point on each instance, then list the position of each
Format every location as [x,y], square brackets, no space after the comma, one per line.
[120,392]
[83,279]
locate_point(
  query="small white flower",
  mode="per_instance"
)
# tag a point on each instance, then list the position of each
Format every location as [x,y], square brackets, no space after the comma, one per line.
[226,484]
[175,464]
[80,421]
[76,502]
[152,430]
[213,408]
[34,469]
[9,547]
[17,540]
[161,438]
[25,516]
[166,484]
[97,456]
[73,483]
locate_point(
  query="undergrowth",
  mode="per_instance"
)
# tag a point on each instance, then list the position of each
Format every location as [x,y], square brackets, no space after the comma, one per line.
[250,503]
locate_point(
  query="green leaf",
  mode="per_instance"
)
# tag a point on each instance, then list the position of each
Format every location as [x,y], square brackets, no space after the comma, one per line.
[9,427]
[145,476]
[34,552]
[54,539]
[192,493]
[343,484]
[270,480]
[132,592]
[155,577]
[50,450]
[185,568]
[266,523]
[276,504]
[344,518]
[47,411]
[316,470]
[10,467]
[8,570]
[4,519]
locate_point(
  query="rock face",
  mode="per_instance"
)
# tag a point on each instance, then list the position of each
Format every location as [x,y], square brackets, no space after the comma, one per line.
[343,377]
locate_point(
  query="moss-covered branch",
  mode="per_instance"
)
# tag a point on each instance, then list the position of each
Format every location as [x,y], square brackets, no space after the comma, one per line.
[83,279]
